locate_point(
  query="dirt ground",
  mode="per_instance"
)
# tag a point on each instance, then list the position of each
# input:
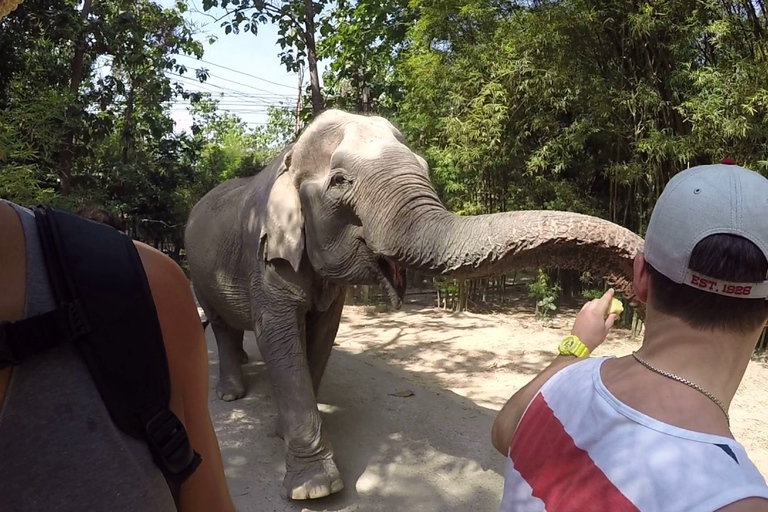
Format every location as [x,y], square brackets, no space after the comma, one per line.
[487,357]
[408,401]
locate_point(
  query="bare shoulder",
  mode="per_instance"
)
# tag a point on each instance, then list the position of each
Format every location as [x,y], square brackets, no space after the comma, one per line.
[747,505]
[175,305]
[162,272]
[187,355]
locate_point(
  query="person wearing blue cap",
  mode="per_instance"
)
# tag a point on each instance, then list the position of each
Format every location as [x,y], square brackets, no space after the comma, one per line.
[651,431]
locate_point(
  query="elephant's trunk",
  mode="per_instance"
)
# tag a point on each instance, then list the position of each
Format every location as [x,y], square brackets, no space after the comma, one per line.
[419,233]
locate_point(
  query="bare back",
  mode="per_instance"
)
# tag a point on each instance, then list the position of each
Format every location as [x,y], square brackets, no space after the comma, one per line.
[53,415]
[185,346]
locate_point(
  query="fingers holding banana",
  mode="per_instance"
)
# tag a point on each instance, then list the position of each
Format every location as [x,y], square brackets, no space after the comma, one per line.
[596,318]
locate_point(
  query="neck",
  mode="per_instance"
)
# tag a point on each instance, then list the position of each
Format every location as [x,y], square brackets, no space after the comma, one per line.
[715,360]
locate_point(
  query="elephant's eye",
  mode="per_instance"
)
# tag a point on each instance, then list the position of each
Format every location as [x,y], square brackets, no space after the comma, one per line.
[339,180]
[339,187]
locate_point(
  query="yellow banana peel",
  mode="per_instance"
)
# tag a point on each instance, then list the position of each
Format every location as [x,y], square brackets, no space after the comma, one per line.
[616,307]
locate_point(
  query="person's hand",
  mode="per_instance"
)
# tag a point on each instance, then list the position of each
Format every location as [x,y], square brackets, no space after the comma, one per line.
[593,321]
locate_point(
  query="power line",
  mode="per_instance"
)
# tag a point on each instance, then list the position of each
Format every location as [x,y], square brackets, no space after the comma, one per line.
[257,110]
[227,89]
[223,79]
[240,72]
[232,82]
[236,105]
[234,102]
[239,83]
[238,94]
[198,83]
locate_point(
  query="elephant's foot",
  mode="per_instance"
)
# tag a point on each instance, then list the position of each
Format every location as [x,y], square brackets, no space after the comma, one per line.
[243,357]
[230,388]
[312,480]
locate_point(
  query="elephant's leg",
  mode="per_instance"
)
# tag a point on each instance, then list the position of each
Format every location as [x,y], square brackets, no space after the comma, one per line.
[321,328]
[320,332]
[229,341]
[243,355]
[230,346]
[310,469]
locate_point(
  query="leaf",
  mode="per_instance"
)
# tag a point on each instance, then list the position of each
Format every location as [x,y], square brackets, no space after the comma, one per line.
[402,394]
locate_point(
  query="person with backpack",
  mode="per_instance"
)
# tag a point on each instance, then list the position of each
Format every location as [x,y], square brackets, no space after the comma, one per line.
[103,373]
[651,431]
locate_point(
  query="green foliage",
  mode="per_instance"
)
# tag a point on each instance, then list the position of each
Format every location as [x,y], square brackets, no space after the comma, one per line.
[581,105]
[230,149]
[545,293]
[19,185]
[364,40]
[589,286]
[296,28]
[28,132]
[446,285]
[592,293]
[115,123]
[270,139]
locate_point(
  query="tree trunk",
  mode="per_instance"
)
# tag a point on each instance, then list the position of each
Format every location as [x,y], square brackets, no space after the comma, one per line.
[297,125]
[66,152]
[314,78]
[127,128]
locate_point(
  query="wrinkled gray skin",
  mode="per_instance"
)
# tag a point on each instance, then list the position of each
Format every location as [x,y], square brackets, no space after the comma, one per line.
[350,203]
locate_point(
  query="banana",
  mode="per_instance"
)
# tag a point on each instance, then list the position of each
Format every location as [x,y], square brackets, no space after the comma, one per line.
[616,307]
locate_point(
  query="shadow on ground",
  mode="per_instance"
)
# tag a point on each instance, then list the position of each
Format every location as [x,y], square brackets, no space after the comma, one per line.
[428,452]
[430,334]
[457,351]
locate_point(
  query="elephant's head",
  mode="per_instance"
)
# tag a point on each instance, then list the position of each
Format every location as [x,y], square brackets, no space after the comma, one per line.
[353,197]
[320,202]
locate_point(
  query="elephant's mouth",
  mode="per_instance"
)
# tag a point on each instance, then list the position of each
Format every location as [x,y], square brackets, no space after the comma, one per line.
[392,280]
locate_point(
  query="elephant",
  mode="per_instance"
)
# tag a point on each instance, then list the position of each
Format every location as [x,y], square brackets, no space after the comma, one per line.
[349,203]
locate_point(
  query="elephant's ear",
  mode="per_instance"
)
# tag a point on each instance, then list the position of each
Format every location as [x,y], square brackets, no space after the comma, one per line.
[282,232]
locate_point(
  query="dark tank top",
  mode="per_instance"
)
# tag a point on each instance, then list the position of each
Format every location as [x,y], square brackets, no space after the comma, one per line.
[59,449]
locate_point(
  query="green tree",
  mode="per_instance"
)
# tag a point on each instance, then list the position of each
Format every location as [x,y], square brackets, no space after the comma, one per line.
[295,20]
[229,148]
[364,40]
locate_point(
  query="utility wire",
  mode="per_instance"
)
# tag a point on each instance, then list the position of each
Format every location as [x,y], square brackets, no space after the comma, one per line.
[237,71]
[230,93]
[239,83]
[223,79]
[195,82]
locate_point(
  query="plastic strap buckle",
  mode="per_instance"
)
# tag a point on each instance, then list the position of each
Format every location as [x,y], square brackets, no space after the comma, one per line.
[75,319]
[170,445]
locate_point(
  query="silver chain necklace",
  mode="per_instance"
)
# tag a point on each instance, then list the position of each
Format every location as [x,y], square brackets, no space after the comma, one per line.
[687,383]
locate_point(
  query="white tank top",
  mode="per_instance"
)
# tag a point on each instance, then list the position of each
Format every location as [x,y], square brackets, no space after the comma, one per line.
[579,449]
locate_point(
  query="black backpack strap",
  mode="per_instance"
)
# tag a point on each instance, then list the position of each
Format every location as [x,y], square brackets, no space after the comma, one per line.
[108,312]
[22,340]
